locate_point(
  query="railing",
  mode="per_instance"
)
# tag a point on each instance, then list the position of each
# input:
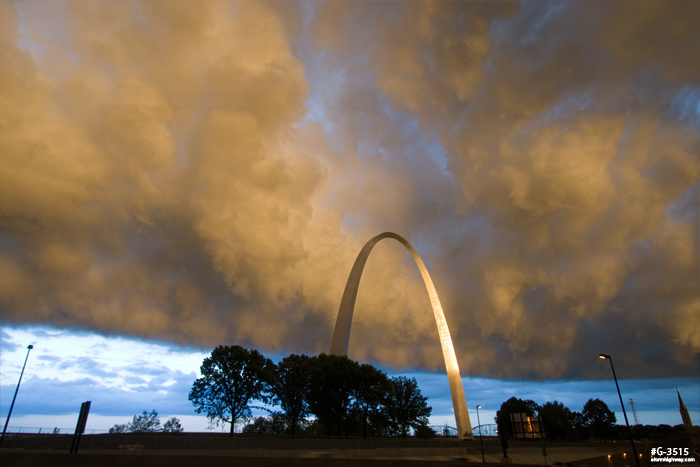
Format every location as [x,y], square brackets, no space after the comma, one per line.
[481,430]
[49,431]
[444,430]
[440,430]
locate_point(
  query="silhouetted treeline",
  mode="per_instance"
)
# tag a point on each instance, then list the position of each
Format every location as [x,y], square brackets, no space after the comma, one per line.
[148,423]
[559,423]
[345,397]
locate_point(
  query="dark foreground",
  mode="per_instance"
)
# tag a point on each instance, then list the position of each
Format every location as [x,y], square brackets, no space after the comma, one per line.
[213,451]
[127,459]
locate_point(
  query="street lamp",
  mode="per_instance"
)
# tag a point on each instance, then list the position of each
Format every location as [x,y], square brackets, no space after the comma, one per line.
[29,348]
[634,449]
[481,438]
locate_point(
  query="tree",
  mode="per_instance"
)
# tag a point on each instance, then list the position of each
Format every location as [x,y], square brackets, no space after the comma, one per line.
[276,424]
[231,378]
[145,423]
[406,406]
[424,431]
[117,429]
[577,421]
[291,386]
[579,428]
[172,425]
[370,398]
[331,390]
[556,420]
[513,405]
[599,418]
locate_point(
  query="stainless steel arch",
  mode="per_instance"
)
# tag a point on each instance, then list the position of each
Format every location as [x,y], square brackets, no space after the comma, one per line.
[341,335]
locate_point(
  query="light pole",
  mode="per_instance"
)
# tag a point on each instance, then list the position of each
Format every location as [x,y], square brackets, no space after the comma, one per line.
[481,438]
[29,348]
[634,449]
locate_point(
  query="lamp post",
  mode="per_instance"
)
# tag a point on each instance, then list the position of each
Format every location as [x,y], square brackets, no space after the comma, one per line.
[629,430]
[29,348]
[481,438]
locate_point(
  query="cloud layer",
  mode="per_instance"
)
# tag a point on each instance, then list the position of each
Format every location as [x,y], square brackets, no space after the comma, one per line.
[205,173]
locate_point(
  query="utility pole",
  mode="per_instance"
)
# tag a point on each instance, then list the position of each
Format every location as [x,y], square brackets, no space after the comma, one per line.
[29,348]
[629,430]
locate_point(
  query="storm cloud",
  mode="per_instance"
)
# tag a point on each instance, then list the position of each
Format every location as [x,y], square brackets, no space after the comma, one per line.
[204,173]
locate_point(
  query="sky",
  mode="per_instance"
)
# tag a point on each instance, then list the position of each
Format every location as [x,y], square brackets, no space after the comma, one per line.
[177,175]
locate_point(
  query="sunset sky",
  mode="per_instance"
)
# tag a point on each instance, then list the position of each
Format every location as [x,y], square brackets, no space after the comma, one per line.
[176,175]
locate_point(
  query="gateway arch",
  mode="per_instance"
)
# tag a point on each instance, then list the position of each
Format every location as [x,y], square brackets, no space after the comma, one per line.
[341,335]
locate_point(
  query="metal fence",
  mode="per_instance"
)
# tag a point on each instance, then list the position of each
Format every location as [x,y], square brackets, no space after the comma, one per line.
[48,431]
[481,430]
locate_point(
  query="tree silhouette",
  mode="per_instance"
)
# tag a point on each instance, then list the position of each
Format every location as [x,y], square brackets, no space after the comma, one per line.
[372,391]
[172,425]
[291,386]
[556,420]
[599,418]
[407,407]
[231,378]
[145,423]
[118,428]
[275,424]
[331,389]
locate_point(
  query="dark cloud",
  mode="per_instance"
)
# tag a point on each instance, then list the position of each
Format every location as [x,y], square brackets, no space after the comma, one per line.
[205,174]
[568,178]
